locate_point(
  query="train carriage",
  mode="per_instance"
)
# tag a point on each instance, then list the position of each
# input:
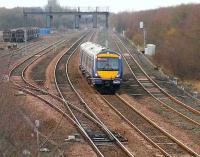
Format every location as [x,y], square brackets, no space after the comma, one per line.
[18,34]
[32,33]
[7,35]
[13,35]
[101,66]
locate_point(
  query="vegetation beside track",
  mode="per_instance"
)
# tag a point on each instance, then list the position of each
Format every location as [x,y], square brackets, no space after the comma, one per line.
[175,32]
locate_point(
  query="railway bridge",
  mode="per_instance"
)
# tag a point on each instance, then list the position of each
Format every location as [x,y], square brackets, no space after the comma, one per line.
[76,12]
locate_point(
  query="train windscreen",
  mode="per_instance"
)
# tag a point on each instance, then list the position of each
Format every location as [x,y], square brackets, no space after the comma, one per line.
[107,64]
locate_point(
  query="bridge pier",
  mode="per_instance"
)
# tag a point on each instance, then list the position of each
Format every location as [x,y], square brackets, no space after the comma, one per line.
[106,20]
[76,21]
[49,19]
[94,19]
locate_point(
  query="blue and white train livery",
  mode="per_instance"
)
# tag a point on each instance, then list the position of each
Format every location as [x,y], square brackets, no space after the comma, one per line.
[101,66]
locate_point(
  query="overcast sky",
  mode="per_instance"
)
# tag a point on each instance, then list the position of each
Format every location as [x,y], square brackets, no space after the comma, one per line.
[114,5]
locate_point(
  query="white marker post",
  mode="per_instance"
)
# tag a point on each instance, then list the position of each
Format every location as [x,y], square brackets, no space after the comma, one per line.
[37,125]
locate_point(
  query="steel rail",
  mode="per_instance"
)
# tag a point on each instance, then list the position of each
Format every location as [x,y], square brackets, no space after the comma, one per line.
[186,92]
[17,50]
[151,122]
[67,104]
[43,91]
[59,110]
[174,139]
[134,127]
[151,80]
[29,57]
[20,87]
[192,152]
[33,87]
[54,96]
[163,91]
[93,114]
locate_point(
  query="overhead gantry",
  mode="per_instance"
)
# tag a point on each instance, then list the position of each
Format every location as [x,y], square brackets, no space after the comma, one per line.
[77,13]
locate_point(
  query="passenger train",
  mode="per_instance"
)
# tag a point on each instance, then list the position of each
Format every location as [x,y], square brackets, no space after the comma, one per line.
[101,66]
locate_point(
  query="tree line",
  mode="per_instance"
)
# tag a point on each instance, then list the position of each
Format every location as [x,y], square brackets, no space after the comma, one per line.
[13,18]
[174,30]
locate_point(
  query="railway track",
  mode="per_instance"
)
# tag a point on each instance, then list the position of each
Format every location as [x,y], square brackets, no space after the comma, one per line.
[192,115]
[166,143]
[93,127]
[163,81]
[35,91]
[17,51]
[159,138]
[19,70]
[179,93]
[176,93]
[8,62]
[80,109]
[148,87]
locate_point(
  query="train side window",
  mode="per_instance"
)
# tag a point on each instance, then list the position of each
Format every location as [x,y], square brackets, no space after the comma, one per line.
[81,56]
[92,61]
[87,61]
[83,62]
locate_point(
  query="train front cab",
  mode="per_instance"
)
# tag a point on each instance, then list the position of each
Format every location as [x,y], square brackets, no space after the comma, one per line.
[107,71]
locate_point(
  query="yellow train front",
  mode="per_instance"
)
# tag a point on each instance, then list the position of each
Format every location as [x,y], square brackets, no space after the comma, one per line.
[102,67]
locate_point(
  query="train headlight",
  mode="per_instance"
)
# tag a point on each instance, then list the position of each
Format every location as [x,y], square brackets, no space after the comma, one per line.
[116,81]
[96,74]
[118,75]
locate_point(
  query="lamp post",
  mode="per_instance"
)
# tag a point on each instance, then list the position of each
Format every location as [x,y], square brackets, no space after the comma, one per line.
[25,33]
[25,40]
[144,32]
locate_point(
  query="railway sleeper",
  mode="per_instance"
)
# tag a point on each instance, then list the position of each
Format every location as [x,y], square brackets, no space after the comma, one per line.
[103,138]
[160,96]
[39,82]
[165,143]
[156,93]
[163,98]
[136,94]
[142,79]
[181,96]
[162,139]
[134,85]
[147,84]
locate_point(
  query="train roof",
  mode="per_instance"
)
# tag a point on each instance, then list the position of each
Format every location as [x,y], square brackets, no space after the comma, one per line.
[94,49]
[20,28]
